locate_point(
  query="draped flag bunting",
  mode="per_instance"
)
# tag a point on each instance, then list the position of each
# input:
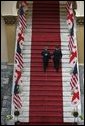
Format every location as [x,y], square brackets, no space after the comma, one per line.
[74,82]
[19,58]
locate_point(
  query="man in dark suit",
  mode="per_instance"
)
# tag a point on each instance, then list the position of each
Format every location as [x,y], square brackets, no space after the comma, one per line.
[57,55]
[45,56]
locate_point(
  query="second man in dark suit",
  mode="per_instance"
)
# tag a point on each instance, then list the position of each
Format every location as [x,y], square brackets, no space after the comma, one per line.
[57,55]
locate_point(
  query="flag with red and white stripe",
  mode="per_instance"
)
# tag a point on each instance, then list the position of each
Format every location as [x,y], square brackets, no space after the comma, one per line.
[22,18]
[17,101]
[75,86]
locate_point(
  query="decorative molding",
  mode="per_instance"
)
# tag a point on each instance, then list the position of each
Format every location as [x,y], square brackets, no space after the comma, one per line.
[81,64]
[10,20]
[80,20]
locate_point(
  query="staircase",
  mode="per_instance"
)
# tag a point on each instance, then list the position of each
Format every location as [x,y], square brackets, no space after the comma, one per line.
[46,96]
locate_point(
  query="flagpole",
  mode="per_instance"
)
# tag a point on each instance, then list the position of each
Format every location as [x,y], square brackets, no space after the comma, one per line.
[12,106]
[75,39]
[74,58]
[21,25]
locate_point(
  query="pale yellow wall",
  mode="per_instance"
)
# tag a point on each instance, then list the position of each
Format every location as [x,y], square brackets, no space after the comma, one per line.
[4,52]
[9,8]
[80,41]
[80,8]
[11,37]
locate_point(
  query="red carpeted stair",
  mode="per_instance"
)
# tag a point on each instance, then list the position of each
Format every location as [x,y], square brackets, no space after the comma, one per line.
[46,105]
[45,96]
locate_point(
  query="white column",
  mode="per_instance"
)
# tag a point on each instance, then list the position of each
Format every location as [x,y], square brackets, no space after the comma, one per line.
[80,8]
[8,8]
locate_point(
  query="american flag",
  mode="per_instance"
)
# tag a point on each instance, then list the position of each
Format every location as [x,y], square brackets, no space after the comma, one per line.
[18,53]
[16,97]
[75,86]
[74,77]
[18,70]
[17,101]
[17,75]
[18,56]
[22,18]
[18,61]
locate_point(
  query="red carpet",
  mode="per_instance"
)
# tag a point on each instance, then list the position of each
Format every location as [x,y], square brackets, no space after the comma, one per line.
[46,105]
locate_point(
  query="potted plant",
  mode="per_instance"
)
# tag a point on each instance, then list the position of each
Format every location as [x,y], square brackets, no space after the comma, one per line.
[16,113]
[8,118]
[75,114]
[81,117]
[81,120]
[78,117]
[17,122]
